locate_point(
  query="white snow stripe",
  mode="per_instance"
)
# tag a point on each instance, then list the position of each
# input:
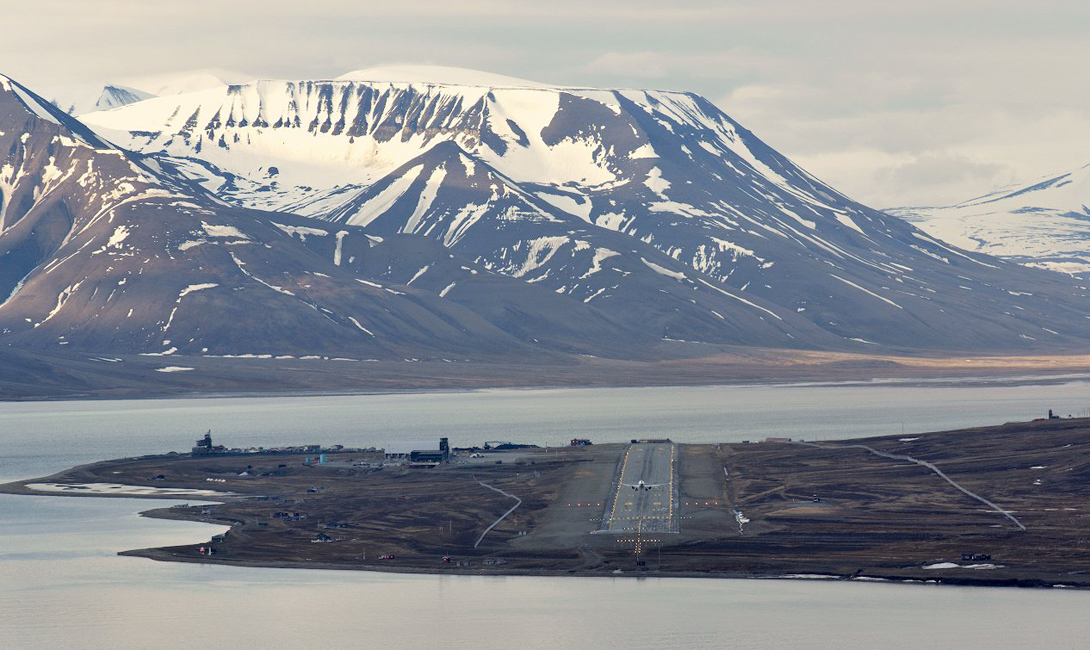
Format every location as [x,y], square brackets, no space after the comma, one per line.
[866,291]
[740,299]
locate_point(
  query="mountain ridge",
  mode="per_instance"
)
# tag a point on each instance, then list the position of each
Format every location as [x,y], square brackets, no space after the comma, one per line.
[668,169]
[482,226]
[108,251]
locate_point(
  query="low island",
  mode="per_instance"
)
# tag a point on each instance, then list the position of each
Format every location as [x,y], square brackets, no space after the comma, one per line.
[1005,506]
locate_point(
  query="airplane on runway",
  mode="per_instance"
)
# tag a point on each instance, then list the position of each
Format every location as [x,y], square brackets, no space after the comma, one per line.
[642,485]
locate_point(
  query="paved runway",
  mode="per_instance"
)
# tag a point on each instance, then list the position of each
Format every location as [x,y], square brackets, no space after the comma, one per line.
[651,507]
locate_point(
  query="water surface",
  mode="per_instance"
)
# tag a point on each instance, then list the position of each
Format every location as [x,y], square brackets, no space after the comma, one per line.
[40,437]
[62,586]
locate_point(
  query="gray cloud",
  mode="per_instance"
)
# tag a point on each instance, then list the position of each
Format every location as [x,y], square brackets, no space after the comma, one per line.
[942,171]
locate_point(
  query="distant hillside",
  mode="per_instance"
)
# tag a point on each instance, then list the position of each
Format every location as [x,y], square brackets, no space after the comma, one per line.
[1043,224]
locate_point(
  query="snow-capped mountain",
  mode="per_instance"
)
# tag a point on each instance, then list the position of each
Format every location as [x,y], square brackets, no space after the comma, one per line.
[78,99]
[106,251]
[1044,224]
[611,197]
[108,96]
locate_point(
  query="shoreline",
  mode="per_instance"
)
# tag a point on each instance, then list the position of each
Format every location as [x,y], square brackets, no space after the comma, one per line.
[163,554]
[900,526]
[168,554]
[1014,379]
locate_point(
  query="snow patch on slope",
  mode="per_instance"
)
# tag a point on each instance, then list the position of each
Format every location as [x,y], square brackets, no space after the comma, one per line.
[196,287]
[301,231]
[213,230]
[427,197]
[384,200]
[661,270]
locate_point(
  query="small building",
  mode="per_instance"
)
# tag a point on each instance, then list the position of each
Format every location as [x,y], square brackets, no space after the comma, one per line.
[419,451]
[428,457]
[204,446]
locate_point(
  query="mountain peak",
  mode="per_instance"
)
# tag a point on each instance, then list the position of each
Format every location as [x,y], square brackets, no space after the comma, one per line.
[437,75]
[43,110]
[88,97]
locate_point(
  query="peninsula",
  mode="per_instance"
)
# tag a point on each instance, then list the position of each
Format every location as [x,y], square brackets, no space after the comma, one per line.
[1004,505]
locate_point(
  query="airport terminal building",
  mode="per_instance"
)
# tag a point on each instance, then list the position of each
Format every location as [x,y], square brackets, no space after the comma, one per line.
[419,451]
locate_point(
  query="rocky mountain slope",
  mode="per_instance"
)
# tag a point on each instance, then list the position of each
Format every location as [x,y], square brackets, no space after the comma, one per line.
[1044,224]
[110,252]
[653,207]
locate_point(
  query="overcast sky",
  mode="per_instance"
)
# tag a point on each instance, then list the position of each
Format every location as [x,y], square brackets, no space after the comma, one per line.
[893,102]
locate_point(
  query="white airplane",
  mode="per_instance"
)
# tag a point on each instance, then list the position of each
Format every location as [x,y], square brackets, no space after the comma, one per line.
[642,485]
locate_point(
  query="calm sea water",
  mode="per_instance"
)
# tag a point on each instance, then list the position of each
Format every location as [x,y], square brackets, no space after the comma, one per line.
[62,586]
[46,437]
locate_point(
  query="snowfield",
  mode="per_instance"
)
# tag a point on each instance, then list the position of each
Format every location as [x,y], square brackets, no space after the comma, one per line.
[1043,224]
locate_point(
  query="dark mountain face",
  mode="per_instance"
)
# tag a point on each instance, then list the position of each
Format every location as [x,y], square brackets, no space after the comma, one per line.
[485,217]
[654,208]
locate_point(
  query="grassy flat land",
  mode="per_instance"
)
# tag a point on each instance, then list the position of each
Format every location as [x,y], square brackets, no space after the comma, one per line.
[874,508]
[35,375]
